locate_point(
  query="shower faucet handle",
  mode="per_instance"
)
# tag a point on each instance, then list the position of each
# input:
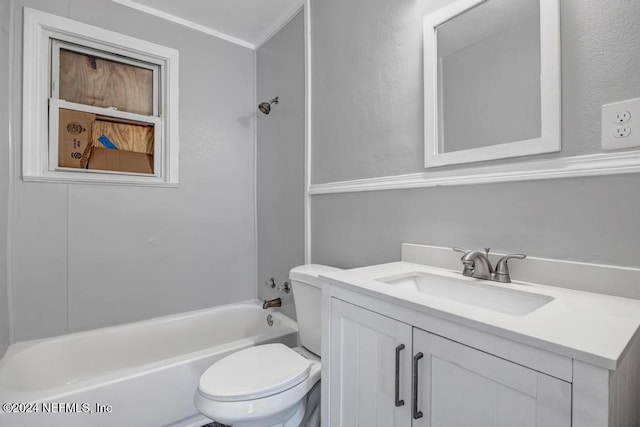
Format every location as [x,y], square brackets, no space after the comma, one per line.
[286,287]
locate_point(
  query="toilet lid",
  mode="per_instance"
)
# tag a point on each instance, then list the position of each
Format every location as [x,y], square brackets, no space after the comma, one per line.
[254,372]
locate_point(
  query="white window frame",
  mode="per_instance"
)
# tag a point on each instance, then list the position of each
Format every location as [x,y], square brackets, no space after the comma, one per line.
[42,31]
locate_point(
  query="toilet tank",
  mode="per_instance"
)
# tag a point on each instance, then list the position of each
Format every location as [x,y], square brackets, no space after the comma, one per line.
[307,297]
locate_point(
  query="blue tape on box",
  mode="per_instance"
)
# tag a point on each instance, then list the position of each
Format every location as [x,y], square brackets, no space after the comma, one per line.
[107,142]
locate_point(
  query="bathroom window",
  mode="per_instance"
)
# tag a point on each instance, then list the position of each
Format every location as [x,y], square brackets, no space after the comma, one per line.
[103,112]
[103,108]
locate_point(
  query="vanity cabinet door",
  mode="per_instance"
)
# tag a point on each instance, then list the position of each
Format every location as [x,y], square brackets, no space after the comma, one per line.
[364,349]
[461,386]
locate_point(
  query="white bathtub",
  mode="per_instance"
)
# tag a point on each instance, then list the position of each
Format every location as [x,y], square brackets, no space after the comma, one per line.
[146,372]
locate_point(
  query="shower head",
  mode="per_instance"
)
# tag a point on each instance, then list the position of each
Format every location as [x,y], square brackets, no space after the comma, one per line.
[265,107]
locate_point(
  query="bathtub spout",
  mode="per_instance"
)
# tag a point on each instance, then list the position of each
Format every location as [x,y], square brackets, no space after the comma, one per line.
[276,302]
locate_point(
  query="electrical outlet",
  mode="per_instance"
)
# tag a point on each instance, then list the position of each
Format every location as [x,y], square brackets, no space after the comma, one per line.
[622,132]
[623,116]
[621,125]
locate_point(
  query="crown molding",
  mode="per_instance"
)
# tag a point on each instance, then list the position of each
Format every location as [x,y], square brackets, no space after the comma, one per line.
[185,23]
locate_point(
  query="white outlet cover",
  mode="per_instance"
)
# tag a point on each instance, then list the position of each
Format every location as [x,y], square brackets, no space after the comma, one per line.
[621,118]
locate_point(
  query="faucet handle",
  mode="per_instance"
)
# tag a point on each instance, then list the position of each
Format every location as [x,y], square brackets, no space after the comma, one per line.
[502,269]
[461,250]
[468,268]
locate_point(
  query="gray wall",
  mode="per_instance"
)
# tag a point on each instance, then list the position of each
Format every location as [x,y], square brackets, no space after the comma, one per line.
[280,161]
[367,80]
[4,172]
[590,219]
[86,256]
[367,122]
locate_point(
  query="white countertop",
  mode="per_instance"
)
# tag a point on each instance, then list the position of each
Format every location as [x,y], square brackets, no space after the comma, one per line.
[593,328]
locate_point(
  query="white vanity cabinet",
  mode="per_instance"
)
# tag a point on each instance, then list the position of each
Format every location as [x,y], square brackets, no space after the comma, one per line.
[484,354]
[368,351]
[458,385]
[384,372]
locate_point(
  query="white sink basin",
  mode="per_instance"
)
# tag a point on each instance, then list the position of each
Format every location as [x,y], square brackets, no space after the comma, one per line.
[471,292]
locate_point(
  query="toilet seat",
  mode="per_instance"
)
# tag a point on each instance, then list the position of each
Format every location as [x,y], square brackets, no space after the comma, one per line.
[264,411]
[254,373]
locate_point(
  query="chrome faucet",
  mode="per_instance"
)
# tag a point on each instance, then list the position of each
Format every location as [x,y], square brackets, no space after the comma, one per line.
[276,302]
[477,264]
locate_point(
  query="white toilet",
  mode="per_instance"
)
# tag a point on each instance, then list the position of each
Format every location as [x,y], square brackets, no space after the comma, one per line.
[272,385]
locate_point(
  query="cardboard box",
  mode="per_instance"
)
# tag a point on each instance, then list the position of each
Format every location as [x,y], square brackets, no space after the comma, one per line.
[120,160]
[74,138]
[125,136]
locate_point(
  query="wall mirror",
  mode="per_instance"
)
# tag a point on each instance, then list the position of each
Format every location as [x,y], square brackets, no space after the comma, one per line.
[491,80]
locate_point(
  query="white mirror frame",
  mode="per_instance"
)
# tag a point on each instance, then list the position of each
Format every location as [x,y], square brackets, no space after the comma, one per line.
[549,91]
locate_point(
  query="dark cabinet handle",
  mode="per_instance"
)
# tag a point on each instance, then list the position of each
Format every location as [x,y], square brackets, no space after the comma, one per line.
[399,402]
[416,414]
